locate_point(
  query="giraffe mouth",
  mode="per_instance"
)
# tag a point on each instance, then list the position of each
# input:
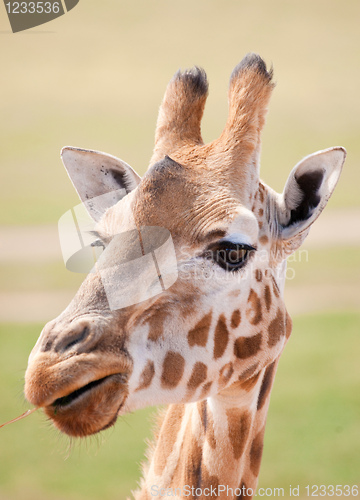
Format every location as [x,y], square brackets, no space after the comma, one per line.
[82,394]
[75,395]
[90,408]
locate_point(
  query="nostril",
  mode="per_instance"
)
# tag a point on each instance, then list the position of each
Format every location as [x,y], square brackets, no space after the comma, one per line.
[46,340]
[73,338]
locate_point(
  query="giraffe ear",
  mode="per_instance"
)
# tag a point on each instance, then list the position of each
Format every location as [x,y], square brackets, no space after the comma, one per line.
[308,189]
[94,174]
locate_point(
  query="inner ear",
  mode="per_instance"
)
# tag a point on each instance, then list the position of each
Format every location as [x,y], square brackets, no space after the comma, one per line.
[96,174]
[309,185]
[308,189]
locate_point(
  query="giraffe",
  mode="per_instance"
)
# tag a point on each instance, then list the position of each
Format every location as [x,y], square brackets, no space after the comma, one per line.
[207,346]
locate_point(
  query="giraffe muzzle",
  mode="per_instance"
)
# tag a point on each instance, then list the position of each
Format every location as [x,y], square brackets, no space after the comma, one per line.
[82,392]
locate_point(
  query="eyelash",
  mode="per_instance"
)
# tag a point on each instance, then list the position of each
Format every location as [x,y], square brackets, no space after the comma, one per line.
[98,243]
[230,256]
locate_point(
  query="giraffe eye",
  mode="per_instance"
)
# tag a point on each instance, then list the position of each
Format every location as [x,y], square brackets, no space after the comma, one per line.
[230,256]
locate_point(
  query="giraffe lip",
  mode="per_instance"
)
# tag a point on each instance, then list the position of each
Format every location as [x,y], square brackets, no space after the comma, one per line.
[73,396]
[90,408]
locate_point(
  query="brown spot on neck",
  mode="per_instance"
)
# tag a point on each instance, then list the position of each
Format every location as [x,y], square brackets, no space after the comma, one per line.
[198,376]
[275,287]
[239,423]
[156,325]
[210,431]
[206,389]
[276,328]
[267,294]
[146,376]
[168,435]
[235,318]
[249,371]
[202,409]
[266,385]
[221,337]
[199,334]
[173,369]
[261,196]
[253,311]
[250,383]
[225,374]
[242,385]
[245,347]
[256,452]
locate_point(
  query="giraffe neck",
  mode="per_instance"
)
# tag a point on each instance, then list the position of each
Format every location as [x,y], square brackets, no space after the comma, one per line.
[215,443]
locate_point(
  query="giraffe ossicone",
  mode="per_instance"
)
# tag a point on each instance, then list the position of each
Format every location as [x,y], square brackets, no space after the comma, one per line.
[208,344]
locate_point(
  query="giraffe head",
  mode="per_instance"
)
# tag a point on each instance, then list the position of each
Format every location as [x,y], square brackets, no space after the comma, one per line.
[223,319]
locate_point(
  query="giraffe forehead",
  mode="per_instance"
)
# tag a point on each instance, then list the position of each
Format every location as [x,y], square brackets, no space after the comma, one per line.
[186,200]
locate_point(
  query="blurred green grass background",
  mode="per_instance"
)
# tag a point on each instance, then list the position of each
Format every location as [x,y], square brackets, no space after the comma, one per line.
[94,78]
[312,432]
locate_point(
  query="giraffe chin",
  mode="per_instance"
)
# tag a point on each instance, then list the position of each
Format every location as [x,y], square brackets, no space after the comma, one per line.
[90,409]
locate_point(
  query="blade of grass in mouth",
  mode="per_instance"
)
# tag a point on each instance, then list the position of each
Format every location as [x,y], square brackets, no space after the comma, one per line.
[26,414]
